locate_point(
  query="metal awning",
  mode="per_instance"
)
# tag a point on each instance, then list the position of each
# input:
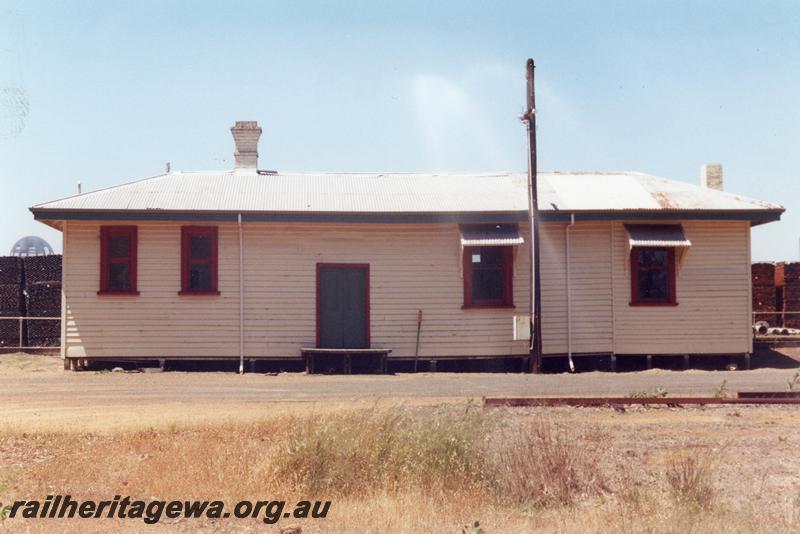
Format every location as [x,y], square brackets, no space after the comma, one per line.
[656,235]
[490,235]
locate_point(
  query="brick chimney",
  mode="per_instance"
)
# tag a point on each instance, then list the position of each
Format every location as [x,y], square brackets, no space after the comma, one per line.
[246,135]
[711,176]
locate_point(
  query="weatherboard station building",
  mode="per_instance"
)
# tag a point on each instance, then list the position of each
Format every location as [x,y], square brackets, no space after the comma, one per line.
[255,265]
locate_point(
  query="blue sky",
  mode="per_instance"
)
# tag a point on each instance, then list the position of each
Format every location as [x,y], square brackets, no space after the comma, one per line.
[106,92]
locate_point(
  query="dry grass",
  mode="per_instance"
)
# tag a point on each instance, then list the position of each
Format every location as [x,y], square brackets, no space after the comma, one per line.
[416,469]
[689,476]
[541,464]
[438,449]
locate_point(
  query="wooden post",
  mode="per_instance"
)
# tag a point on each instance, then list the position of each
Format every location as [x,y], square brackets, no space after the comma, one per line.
[529,118]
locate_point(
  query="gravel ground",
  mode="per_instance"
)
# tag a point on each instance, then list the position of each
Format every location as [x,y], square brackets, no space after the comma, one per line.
[37,388]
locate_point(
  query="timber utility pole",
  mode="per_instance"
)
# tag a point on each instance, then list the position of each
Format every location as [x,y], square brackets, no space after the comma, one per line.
[529,118]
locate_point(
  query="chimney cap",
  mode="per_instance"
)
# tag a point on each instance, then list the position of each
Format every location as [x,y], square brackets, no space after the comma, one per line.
[246,125]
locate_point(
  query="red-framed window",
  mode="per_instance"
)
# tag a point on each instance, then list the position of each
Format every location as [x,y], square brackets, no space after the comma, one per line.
[488,274]
[199,260]
[653,276]
[118,245]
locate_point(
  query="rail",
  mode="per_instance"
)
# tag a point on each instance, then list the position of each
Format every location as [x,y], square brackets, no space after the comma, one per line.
[18,335]
[675,402]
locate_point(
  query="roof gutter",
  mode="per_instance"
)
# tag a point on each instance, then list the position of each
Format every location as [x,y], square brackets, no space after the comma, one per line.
[754,216]
[44,214]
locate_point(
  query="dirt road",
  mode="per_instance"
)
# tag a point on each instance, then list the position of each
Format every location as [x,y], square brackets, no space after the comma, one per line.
[35,388]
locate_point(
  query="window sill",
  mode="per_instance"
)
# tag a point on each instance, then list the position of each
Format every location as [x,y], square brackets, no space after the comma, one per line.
[123,292]
[653,304]
[195,292]
[488,307]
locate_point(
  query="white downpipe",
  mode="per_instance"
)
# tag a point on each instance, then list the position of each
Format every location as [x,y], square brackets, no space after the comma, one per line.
[63,333]
[241,297]
[569,293]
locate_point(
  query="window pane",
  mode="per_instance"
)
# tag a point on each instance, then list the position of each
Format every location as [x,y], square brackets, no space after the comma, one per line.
[200,276]
[200,247]
[119,246]
[650,257]
[118,276]
[487,285]
[489,257]
[653,285]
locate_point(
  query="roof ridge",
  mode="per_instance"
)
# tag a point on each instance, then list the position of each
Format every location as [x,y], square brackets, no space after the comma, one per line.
[395,173]
[272,172]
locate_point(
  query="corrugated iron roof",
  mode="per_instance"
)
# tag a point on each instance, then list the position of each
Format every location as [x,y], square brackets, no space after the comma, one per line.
[488,235]
[248,191]
[656,235]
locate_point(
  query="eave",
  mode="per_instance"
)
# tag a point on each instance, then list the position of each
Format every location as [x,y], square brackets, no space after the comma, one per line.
[756,217]
[48,216]
[52,217]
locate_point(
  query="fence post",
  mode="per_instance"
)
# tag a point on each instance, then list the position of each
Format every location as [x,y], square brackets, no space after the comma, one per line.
[20,333]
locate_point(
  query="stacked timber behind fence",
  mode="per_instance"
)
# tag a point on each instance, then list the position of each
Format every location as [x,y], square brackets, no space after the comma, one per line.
[11,302]
[764,292]
[791,294]
[30,287]
[43,299]
[776,288]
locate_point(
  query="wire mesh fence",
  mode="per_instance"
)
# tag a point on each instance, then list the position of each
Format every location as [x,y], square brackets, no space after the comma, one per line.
[25,333]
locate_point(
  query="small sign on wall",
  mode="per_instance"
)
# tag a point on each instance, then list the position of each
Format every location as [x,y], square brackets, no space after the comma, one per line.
[476,258]
[522,327]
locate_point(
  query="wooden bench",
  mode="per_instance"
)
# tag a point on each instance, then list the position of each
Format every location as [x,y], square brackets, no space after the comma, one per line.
[310,354]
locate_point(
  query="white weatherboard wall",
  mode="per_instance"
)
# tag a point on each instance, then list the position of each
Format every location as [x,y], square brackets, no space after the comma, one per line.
[590,245]
[713,315]
[713,284]
[411,267]
[157,322]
